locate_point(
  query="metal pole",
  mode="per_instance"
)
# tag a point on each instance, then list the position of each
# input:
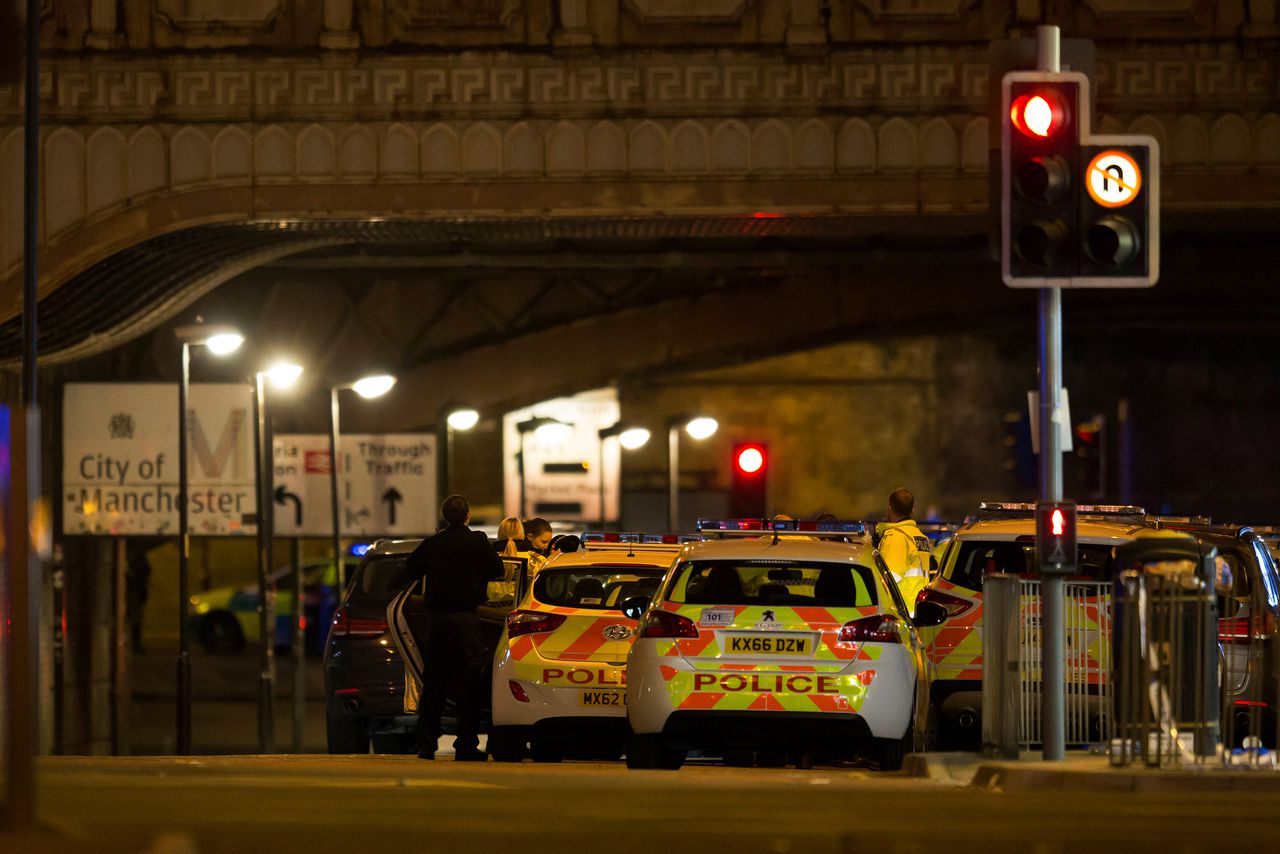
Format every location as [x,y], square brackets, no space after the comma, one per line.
[24,564]
[1053,635]
[333,491]
[673,478]
[184,560]
[520,467]
[266,640]
[603,515]
[299,649]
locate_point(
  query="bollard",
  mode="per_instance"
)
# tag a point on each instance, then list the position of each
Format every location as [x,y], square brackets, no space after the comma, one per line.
[1001,667]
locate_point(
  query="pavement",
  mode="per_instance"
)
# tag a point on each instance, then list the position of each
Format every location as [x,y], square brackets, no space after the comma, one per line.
[316,803]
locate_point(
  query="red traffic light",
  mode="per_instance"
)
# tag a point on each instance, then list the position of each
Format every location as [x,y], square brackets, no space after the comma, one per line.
[1038,114]
[750,459]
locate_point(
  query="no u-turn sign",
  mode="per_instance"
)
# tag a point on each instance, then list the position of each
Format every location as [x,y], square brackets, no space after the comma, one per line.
[1114,179]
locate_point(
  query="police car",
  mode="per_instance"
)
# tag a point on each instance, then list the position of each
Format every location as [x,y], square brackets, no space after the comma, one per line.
[787,636]
[1001,538]
[559,670]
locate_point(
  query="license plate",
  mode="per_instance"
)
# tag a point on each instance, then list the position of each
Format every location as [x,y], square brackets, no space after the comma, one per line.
[768,645]
[602,698]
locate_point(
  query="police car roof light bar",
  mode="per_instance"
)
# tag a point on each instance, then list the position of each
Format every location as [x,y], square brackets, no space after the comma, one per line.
[731,527]
[1081,509]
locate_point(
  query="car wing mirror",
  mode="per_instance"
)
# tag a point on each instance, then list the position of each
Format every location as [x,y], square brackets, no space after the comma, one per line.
[634,606]
[929,614]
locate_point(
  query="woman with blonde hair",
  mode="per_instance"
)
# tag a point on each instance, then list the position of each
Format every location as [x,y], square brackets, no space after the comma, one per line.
[511,530]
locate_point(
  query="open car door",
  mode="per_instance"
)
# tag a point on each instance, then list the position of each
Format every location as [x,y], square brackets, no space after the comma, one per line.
[407,617]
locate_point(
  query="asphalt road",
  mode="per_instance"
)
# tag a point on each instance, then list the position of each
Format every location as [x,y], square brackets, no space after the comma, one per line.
[211,805]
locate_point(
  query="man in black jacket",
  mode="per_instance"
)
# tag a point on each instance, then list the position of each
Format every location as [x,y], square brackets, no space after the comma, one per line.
[457,565]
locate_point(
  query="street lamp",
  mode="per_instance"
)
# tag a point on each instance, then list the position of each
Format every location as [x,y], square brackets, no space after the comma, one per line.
[453,419]
[549,430]
[220,340]
[698,427]
[281,375]
[367,387]
[630,438]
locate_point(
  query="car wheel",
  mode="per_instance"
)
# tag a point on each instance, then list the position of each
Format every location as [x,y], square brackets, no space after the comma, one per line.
[347,736]
[220,634]
[395,742]
[506,744]
[651,751]
[891,751]
[543,751]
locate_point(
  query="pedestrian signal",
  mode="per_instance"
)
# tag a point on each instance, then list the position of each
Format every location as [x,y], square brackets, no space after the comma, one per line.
[1056,537]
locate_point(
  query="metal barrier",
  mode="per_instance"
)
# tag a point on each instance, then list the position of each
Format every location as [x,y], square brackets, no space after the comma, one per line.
[1167,654]
[1012,663]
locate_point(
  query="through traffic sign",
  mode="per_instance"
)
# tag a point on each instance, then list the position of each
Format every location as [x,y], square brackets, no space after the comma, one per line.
[1114,179]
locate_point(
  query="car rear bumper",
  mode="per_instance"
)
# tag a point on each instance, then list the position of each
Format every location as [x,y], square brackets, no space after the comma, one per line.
[789,731]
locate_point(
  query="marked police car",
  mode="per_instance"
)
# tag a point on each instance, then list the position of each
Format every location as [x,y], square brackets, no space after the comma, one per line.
[787,636]
[559,671]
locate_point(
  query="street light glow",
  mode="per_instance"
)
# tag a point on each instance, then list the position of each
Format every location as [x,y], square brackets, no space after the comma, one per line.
[224,343]
[283,375]
[553,432]
[702,428]
[463,419]
[375,386]
[633,437]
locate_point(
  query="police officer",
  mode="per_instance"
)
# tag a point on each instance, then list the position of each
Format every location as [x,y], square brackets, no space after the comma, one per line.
[906,551]
[456,565]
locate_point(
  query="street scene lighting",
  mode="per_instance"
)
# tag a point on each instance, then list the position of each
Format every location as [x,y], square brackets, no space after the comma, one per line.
[283,375]
[224,343]
[702,427]
[373,386]
[553,432]
[633,438]
[463,419]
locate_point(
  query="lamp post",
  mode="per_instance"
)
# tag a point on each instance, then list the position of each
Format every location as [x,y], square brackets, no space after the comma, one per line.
[220,340]
[454,419]
[630,438]
[281,375]
[546,429]
[375,385]
[698,427]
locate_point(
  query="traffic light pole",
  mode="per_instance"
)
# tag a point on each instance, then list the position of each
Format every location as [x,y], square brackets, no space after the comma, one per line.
[1053,637]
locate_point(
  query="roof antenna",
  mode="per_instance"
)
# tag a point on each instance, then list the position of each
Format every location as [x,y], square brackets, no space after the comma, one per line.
[631,548]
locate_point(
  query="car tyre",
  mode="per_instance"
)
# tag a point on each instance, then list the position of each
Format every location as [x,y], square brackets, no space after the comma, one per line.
[347,736]
[892,751]
[544,751]
[220,634]
[506,744]
[395,742]
[651,751]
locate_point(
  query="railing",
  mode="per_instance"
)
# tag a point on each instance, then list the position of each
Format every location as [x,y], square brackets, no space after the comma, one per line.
[1012,663]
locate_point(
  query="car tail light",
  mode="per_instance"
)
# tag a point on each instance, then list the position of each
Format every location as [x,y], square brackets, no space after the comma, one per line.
[664,624]
[954,605]
[517,691]
[345,625]
[882,628]
[532,623]
[1237,631]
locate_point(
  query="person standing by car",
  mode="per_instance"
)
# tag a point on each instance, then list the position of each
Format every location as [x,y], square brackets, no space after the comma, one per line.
[905,549]
[511,539]
[455,567]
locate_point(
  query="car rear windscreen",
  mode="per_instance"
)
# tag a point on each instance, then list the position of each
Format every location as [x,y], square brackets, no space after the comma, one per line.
[599,588]
[791,584]
[381,577]
[976,558]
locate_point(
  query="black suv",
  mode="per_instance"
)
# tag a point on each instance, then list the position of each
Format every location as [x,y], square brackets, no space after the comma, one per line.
[363,672]
[1247,616]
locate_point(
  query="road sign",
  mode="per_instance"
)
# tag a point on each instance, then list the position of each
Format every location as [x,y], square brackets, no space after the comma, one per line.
[562,475]
[120,459]
[388,485]
[1114,179]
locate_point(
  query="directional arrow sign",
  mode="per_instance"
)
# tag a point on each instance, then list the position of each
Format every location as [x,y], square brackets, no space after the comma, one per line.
[283,495]
[392,497]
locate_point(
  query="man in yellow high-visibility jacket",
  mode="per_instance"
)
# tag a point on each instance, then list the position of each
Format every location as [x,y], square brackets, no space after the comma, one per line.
[906,551]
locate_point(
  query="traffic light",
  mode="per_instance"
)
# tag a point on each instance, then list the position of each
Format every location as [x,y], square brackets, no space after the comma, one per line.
[1090,448]
[1056,536]
[747,498]
[1077,210]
